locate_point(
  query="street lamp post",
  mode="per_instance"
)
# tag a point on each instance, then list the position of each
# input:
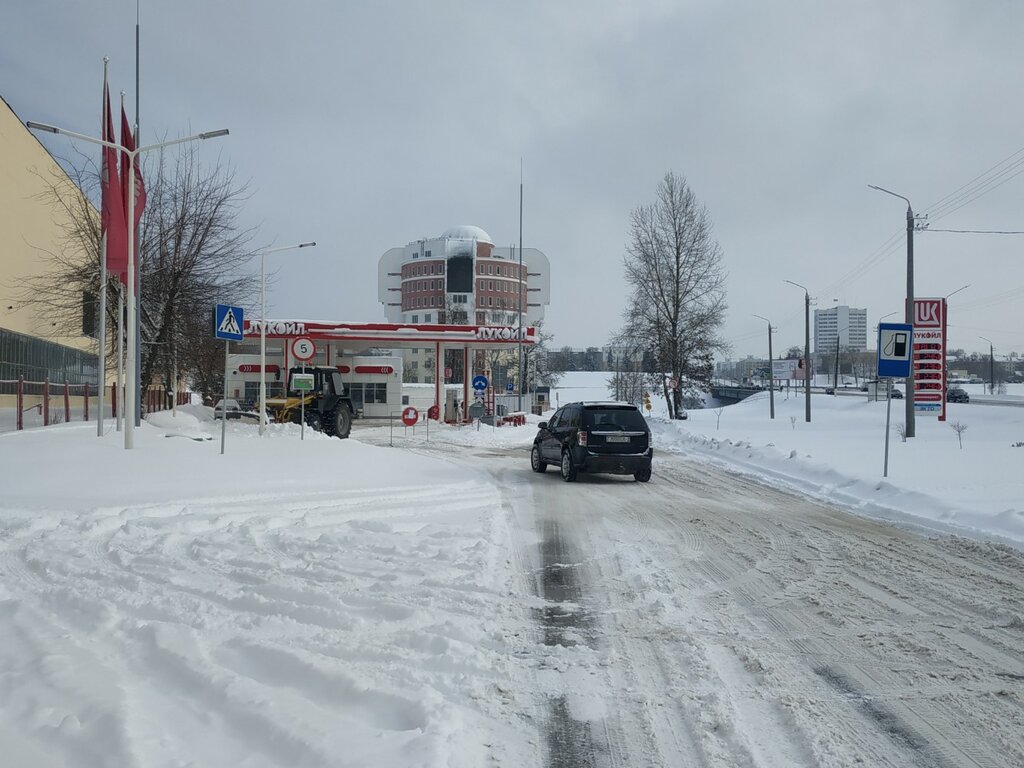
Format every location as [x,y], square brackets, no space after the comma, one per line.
[771,372]
[132,384]
[807,350]
[263,327]
[909,309]
[991,366]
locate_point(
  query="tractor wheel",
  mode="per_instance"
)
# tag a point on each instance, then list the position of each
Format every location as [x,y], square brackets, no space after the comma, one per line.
[313,420]
[341,420]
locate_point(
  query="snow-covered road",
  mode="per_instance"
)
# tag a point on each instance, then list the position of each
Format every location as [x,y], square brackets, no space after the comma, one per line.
[326,603]
[706,620]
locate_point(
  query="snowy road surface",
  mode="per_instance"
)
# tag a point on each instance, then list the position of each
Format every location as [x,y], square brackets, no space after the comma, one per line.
[706,620]
[346,603]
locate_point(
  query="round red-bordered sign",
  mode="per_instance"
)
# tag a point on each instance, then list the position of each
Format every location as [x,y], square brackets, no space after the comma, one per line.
[303,348]
[410,416]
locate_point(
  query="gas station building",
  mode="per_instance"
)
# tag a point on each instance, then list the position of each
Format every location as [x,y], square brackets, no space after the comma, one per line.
[374,378]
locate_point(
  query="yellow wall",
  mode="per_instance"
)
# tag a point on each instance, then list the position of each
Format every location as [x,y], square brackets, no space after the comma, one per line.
[29,227]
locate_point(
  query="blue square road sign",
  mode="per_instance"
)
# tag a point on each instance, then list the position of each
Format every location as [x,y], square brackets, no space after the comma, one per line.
[228,322]
[895,350]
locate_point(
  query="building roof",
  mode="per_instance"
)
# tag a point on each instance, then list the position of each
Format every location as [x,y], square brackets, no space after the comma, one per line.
[467,232]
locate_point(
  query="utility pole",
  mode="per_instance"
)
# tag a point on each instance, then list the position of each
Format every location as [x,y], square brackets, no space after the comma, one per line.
[807,356]
[991,366]
[771,370]
[808,368]
[909,310]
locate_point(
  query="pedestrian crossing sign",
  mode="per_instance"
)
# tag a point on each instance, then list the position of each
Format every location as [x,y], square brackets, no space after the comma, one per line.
[228,322]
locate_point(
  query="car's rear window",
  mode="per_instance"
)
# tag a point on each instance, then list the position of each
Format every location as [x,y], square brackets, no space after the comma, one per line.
[613,418]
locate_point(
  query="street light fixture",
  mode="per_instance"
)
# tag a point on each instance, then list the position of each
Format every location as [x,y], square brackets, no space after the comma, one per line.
[958,290]
[131,382]
[771,371]
[909,309]
[263,327]
[807,350]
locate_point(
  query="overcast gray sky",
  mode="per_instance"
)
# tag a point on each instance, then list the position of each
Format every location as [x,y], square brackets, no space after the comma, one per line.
[368,125]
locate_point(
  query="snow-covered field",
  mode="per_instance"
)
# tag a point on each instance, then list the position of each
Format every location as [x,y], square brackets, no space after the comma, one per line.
[324,602]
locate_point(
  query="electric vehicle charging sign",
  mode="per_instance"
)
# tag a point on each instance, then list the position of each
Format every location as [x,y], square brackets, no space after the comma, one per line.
[895,346]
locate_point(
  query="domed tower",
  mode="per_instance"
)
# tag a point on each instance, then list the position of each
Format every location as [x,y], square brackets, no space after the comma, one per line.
[461,278]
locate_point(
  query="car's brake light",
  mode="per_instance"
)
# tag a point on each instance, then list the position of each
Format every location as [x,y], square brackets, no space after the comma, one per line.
[581,438]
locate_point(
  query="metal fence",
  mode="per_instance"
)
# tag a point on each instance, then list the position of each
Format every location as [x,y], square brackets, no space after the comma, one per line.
[29,404]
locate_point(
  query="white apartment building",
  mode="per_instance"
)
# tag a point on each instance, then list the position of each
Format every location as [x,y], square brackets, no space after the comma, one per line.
[848,324]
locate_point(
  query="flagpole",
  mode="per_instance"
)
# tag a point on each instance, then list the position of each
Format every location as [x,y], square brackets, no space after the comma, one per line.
[522,378]
[138,286]
[101,334]
[120,354]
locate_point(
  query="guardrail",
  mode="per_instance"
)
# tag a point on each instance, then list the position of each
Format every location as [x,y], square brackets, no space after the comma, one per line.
[720,392]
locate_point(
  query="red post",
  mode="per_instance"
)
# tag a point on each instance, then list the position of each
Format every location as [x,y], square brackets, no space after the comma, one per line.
[46,401]
[86,396]
[21,402]
[113,401]
[67,402]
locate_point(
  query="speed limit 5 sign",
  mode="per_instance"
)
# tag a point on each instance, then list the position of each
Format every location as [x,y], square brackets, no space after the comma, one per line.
[303,348]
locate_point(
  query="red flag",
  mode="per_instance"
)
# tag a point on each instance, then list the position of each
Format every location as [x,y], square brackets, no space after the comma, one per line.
[112,217]
[128,142]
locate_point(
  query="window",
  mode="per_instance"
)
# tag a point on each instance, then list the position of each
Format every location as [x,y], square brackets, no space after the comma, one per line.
[428,254]
[490,269]
[426,317]
[497,270]
[415,319]
[490,301]
[366,394]
[431,284]
[490,285]
[431,304]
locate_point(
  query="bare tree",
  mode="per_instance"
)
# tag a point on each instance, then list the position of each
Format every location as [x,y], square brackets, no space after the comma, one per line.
[674,267]
[191,256]
[959,428]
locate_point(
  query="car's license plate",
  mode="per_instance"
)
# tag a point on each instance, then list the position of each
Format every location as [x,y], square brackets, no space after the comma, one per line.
[618,439]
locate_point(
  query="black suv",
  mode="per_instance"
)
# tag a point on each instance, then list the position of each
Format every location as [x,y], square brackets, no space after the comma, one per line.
[957,395]
[612,438]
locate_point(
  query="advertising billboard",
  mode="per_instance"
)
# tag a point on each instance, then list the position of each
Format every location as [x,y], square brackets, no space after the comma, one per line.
[930,356]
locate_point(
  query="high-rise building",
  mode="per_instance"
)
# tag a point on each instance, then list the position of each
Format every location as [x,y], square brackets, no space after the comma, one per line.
[847,324]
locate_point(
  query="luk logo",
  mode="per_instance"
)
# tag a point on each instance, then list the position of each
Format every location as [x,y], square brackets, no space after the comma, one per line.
[927,313]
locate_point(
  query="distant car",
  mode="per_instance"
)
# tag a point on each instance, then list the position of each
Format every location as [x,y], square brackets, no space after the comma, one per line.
[830,390]
[234,410]
[896,395]
[957,395]
[610,438]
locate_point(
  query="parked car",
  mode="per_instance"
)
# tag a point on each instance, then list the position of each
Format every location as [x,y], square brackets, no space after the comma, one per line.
[830,390]
[957,395]
[599,437]
[896,394]
[234,410]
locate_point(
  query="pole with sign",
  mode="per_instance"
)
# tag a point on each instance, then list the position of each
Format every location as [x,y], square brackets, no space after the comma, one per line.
[228,322]
[304,350]
[895,345]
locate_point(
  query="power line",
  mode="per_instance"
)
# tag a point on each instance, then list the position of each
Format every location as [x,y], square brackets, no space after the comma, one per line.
[979,231]
[977,187]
